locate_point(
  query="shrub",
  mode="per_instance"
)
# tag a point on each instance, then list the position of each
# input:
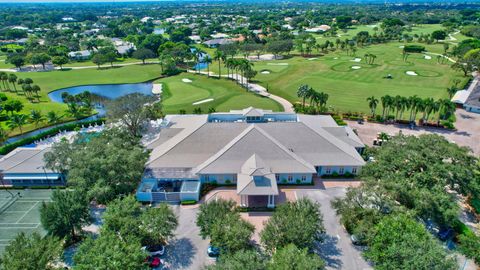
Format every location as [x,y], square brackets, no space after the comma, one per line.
[414,48]
[476,204]
[284,181]
[228,182]
[299,181]
[448,124]
[335,174]
[188,202]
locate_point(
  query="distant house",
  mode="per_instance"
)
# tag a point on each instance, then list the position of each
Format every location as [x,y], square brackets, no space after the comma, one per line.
[146,19]
[125,49]
[195,38]
[80,55]
[213,43]
[253,149]
[24,167]
[68,19]
[318,29]
[219,36]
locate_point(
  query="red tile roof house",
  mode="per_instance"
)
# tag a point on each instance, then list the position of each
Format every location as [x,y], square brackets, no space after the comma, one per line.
[253,149]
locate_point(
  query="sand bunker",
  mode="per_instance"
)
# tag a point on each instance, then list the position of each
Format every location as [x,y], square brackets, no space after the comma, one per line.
[356,60]
[411,73]
[265,72]
[335,58]
[401,47]
[202,101]
[185,80]
[310,59]
[427,57]
[277,64]
[356,67]
[157,89]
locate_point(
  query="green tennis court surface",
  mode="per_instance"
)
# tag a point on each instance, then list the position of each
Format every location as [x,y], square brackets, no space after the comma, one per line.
[20,213]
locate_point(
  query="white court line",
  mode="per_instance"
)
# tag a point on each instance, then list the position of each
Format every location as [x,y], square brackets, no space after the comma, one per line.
[27,212]
[13,211]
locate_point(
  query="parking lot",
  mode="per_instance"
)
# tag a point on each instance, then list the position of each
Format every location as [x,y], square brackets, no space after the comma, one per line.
[188,250]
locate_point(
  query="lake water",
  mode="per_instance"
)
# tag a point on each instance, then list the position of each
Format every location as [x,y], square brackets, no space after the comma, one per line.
[109,91]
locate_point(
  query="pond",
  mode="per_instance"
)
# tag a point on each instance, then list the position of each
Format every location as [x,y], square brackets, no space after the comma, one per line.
[109,91]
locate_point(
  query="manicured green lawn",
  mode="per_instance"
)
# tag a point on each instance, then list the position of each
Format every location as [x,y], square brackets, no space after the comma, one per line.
[54,80]
[226,95]
[2,62]
[349,88]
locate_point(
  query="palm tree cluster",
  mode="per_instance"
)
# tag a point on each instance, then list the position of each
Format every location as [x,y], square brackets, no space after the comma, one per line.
[19,120]
[413,106]
[370,58]
[242,67]
[29,89]
[318,100]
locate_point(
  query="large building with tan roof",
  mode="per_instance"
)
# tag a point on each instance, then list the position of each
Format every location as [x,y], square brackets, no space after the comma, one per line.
[253,149]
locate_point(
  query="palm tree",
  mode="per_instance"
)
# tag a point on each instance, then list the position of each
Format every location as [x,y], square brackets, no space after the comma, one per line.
[17,121]
[53,118]
[207,60]
[12,78]
[428,108]
[398,105]
[448,108]
[36,117]
[27,89]
[302,93]
[414,102]
[372,104]
[218,56]
[385,100]
[3,136]
[451,91]
[36,89]
[322,99]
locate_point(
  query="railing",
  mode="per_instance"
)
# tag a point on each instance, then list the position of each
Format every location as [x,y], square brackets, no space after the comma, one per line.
[166,196]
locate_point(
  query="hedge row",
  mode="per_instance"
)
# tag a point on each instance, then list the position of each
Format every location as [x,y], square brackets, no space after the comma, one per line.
[7,148]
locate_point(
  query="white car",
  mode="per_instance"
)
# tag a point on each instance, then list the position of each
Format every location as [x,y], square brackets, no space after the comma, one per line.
[154,250]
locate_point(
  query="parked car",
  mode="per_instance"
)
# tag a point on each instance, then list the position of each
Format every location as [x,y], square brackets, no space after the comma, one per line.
[154,250]
[213,252]
[153,262]
[357,240]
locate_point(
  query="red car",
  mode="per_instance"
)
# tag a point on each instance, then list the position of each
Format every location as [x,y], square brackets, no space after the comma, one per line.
[153,262]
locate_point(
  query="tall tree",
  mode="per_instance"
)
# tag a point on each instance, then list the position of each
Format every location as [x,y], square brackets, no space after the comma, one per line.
[400,243]
[291,257]
[36,117]
[17,121]
[299,223]
[130,111]
[66,214]
[32,252]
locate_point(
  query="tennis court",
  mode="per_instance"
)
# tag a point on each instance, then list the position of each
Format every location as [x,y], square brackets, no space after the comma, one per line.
[20,213]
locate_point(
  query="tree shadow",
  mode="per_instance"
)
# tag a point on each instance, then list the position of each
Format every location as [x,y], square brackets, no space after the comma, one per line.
[328,251]
[180,253]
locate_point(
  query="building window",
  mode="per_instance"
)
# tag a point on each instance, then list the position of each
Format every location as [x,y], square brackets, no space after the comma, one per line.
[354,170]
[304,178]
[328,170]
[290,178]
[341,170]
[277,177]
[207,178]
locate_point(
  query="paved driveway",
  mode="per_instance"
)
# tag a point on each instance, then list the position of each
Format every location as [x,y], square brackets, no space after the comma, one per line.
[188,250]
[336,250]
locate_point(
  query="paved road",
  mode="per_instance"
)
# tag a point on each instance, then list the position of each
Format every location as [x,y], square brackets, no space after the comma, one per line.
[188,250]
[336,250]
[287,106]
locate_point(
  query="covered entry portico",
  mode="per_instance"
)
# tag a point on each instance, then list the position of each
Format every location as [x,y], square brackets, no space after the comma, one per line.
[256,184]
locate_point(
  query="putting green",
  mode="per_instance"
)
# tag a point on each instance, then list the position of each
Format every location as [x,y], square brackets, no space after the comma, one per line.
[226,95]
